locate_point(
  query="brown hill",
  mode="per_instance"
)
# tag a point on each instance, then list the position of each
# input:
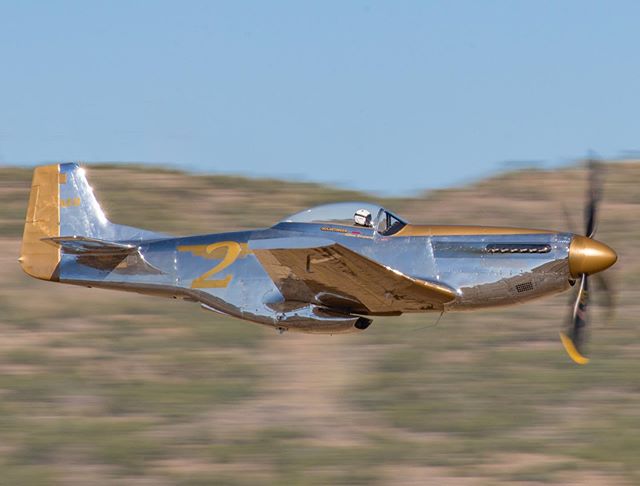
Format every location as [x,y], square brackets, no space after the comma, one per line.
[108,388]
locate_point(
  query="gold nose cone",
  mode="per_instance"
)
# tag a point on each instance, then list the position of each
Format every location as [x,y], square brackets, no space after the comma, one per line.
[589,256]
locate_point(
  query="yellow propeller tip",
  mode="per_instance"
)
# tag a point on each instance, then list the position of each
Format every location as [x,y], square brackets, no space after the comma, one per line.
[571,350]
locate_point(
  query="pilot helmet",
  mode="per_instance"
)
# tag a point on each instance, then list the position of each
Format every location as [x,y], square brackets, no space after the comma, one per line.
[362,218]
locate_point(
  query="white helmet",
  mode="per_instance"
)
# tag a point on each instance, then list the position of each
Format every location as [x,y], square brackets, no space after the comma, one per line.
[362,218]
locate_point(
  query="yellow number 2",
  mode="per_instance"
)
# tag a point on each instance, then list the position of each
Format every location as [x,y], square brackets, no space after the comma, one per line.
[228,251]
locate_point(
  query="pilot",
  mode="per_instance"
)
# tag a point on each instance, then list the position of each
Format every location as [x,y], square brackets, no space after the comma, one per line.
[362,218]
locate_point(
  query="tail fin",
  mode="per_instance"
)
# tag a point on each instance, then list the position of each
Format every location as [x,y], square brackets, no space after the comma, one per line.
[80,212]
[62,204]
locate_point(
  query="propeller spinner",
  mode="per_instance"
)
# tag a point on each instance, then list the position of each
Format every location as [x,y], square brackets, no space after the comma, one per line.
[586,257]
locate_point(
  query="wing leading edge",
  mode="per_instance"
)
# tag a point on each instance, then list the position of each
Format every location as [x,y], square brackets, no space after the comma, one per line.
[339,278]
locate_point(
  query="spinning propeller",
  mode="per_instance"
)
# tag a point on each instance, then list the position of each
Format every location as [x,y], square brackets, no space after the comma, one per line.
[586,256]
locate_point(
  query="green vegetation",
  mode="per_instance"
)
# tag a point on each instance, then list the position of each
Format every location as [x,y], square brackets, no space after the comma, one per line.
[100,387]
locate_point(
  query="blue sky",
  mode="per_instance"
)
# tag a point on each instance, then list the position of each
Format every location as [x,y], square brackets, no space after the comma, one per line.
[384,96]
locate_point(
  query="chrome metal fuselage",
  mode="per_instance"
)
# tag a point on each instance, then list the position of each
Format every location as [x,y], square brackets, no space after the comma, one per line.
[221,272]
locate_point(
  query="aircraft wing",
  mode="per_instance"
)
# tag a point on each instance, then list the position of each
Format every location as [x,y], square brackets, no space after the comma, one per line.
[339,278]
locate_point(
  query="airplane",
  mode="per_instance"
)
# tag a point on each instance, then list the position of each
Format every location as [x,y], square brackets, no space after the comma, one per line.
[328,269]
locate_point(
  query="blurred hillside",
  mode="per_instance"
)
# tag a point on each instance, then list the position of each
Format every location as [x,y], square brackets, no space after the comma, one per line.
[99,387]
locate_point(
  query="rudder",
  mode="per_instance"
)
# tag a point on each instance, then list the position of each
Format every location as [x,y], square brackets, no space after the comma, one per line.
[38,258]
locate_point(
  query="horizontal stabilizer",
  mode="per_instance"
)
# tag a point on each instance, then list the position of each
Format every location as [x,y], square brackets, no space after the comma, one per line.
[121,258]
[82,245]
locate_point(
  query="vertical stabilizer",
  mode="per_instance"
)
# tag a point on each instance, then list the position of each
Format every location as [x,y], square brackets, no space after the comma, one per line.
[62,204]
[80,212]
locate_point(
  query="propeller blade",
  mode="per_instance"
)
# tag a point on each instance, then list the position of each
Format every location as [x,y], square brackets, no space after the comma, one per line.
[608,293]
[575,338]
[567,220]
[593,196]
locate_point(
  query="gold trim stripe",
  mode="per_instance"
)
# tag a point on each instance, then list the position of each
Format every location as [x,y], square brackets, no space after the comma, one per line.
[445,230]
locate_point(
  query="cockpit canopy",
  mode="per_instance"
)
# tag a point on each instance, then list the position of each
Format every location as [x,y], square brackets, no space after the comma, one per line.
[350,214]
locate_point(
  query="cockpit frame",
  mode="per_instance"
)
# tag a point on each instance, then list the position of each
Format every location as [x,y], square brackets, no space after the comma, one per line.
[384,222]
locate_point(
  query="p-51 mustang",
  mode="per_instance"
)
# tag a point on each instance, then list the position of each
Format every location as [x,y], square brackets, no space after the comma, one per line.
[328,269]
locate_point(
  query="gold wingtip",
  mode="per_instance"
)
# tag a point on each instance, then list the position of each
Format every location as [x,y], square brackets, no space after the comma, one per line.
[571,350]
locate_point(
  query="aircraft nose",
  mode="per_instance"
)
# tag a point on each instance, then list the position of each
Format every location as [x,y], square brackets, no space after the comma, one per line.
[589,256]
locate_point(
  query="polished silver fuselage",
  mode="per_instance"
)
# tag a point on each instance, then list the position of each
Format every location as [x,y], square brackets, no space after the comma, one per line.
[221,272]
